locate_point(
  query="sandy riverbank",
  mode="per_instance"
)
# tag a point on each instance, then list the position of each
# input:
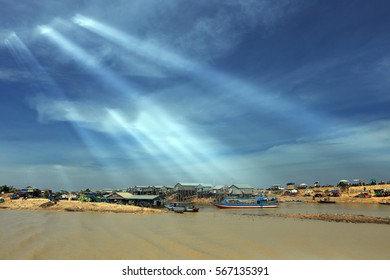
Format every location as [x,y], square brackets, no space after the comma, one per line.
[345,218]
[73,206]
[341,199]
[345,197]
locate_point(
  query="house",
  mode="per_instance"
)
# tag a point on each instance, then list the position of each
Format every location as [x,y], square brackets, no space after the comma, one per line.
[275,187]
[164,190]
[30,192]
[302,186]
[356,182]
[146,200]
[335,193]
[220,189]
[219,192]
[241,190]
[187,186]
[189,190]
[291,192]
[204,190]
[119,197]
[203,187]
[290,186]
[344,185]
[148,190]
[382,192]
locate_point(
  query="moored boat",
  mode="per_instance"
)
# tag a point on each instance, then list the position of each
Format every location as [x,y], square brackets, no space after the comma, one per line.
[384,202]
[326,200]
[247,203]
[180,207]
[293,200]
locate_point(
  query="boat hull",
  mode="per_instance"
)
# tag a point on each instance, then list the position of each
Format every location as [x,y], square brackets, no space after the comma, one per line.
[385,203]
[247,203]
[180,207]
[224,206]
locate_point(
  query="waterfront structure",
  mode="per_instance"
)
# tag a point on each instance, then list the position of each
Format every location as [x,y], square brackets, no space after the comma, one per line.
[241,190]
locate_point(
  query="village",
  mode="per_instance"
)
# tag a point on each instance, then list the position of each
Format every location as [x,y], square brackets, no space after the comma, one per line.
[202,193]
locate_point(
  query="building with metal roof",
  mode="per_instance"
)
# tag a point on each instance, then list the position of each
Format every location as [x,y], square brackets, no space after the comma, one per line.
[241,190]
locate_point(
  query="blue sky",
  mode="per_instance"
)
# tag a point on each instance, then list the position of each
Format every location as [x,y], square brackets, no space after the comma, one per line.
[149,92]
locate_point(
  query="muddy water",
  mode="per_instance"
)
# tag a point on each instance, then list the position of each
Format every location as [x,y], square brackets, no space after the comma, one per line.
[209,234]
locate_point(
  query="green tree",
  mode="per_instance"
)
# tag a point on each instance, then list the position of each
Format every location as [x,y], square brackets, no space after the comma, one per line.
[6,189]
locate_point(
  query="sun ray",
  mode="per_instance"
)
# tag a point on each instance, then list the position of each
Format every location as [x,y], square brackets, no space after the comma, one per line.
[45,84]
[235,91]
[146,132]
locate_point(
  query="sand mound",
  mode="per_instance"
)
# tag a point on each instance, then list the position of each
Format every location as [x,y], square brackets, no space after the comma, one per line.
[74,206]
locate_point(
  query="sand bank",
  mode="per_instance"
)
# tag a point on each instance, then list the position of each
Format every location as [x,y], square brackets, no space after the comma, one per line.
[351,196]
[342,199]
[346,218]
[74,206]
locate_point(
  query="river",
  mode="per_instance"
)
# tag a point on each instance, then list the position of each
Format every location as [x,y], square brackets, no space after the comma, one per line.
[210,234]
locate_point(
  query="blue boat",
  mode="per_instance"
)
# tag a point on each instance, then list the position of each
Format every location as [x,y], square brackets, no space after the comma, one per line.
[247,203]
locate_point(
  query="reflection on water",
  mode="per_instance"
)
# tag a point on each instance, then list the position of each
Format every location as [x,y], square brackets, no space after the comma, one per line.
[209,234]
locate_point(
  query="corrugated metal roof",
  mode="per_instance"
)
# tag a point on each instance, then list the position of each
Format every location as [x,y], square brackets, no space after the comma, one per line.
[218,187]
[144,197]
[206,185]
[189,184]
[196,185]
[242,186]
[125,195]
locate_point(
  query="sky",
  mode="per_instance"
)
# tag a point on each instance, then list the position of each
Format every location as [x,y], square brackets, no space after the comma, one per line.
[142,92]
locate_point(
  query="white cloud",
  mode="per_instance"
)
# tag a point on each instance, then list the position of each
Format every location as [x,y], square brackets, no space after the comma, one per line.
[203,30]
[215,34]
[11,75]
[87,114]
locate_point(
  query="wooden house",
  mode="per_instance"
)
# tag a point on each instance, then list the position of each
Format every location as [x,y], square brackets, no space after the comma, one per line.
[189,190]
[241,190]
[220,189]
[144,190]
[119,197]
[146,200]
[204,190]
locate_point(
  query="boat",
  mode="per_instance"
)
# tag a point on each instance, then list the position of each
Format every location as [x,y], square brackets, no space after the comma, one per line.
[326,200]
[247,203]
[181,207]
[384,202]
[293,200]
[178,209]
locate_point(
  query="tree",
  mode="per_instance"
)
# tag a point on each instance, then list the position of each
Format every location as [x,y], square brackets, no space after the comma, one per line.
[6,189]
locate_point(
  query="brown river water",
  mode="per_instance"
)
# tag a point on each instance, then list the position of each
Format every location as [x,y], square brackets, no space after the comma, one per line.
[210,234]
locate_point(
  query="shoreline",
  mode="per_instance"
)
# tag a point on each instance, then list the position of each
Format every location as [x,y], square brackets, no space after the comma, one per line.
[43,204]
[38,204]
